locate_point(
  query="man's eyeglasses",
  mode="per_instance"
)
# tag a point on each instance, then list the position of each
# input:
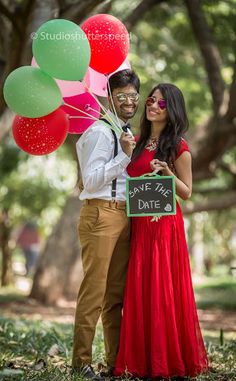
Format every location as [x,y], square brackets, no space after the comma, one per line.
[122,97]
[151,100]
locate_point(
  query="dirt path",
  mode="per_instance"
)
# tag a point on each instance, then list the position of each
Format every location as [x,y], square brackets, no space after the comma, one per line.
[64,313]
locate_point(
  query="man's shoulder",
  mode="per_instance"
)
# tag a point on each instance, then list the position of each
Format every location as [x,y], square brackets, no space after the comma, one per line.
[98,127]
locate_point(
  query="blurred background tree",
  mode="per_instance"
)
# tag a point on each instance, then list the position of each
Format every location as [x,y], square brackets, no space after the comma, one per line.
[187,42]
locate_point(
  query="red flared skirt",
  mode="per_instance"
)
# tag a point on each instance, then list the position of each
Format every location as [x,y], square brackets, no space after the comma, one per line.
[160,334]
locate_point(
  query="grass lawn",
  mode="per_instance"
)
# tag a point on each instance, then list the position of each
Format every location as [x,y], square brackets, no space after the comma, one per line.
[42,351]
[35,345]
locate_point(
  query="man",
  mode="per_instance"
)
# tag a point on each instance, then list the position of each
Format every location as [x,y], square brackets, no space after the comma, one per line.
[29,242]
[104,229]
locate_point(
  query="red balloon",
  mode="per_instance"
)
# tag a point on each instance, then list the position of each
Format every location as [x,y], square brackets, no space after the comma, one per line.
[40,136]
[109,42]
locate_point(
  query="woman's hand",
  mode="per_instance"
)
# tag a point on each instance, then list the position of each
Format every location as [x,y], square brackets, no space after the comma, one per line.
[157,165]
[183,173]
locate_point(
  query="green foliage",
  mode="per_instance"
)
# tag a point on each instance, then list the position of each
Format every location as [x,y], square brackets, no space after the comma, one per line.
[164,49]
[9,158]
[169,53]
[218,226]
[221,249]
[35,186]
[221,17]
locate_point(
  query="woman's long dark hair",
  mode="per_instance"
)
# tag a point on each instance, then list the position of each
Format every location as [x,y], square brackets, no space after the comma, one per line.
[177,125]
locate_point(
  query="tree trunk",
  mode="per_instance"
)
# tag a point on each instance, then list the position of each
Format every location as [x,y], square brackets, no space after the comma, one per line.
[70,292]
[53,274]
[7,273]
[197,245]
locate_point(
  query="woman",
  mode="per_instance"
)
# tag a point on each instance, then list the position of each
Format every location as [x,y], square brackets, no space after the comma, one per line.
[160,334]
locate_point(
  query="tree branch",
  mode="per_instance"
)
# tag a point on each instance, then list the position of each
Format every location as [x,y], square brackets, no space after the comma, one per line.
[230,185]
[206,192]
[137,13]
[77,13]
[231,113]
[209,50]
[205,153]
[6,122]
[230,168]
[103,8]
[10,16]
[220,203]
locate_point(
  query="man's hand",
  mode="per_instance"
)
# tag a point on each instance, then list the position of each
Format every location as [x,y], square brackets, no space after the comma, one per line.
[127,143]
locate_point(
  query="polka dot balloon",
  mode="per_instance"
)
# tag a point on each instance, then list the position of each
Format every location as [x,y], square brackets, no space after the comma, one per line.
[41,136]
[109,42]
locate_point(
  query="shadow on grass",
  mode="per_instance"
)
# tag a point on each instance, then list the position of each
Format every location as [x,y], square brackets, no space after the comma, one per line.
[216,294]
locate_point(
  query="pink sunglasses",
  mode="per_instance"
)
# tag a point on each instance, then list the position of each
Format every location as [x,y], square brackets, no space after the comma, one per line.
[151,100]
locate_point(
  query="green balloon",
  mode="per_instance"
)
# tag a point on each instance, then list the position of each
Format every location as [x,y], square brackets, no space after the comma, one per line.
[62,50]
[32,93]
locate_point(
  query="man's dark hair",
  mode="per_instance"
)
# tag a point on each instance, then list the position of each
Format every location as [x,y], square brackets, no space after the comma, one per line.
[123,78]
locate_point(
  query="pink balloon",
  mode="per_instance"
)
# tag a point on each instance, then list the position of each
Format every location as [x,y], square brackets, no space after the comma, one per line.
[68,88]
[84,102]
[97,82]
[123,66]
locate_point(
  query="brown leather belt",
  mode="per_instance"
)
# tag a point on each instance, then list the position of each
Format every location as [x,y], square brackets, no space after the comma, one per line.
[110,204]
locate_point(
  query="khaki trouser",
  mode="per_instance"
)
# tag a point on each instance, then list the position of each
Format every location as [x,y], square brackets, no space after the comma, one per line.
[104,232]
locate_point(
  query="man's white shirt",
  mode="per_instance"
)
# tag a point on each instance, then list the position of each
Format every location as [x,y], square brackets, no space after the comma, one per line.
[95,150]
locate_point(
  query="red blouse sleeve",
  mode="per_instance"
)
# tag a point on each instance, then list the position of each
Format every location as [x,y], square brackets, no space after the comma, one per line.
[182,148]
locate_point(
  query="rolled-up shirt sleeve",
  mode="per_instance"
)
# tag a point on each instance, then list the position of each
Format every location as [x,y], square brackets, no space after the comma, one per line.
[98,166]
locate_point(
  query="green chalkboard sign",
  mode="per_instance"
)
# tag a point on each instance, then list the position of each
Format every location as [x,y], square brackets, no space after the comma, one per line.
[150,195]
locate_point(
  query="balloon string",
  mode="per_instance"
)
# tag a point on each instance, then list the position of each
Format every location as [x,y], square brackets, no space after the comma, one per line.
[105,114]
[83,112]
[90,91]
[113,127]
[93,109]
[117,126]
[113,106]
[98,112]
[107,117]
[81,117]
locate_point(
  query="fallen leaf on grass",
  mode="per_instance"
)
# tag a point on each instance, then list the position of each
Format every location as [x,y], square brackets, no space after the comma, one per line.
[40,364]
[54,350]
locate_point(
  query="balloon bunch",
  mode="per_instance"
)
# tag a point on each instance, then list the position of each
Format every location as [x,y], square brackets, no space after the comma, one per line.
[57,93]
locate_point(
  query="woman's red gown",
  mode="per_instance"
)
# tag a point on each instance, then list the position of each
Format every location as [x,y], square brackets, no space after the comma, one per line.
[160,333]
